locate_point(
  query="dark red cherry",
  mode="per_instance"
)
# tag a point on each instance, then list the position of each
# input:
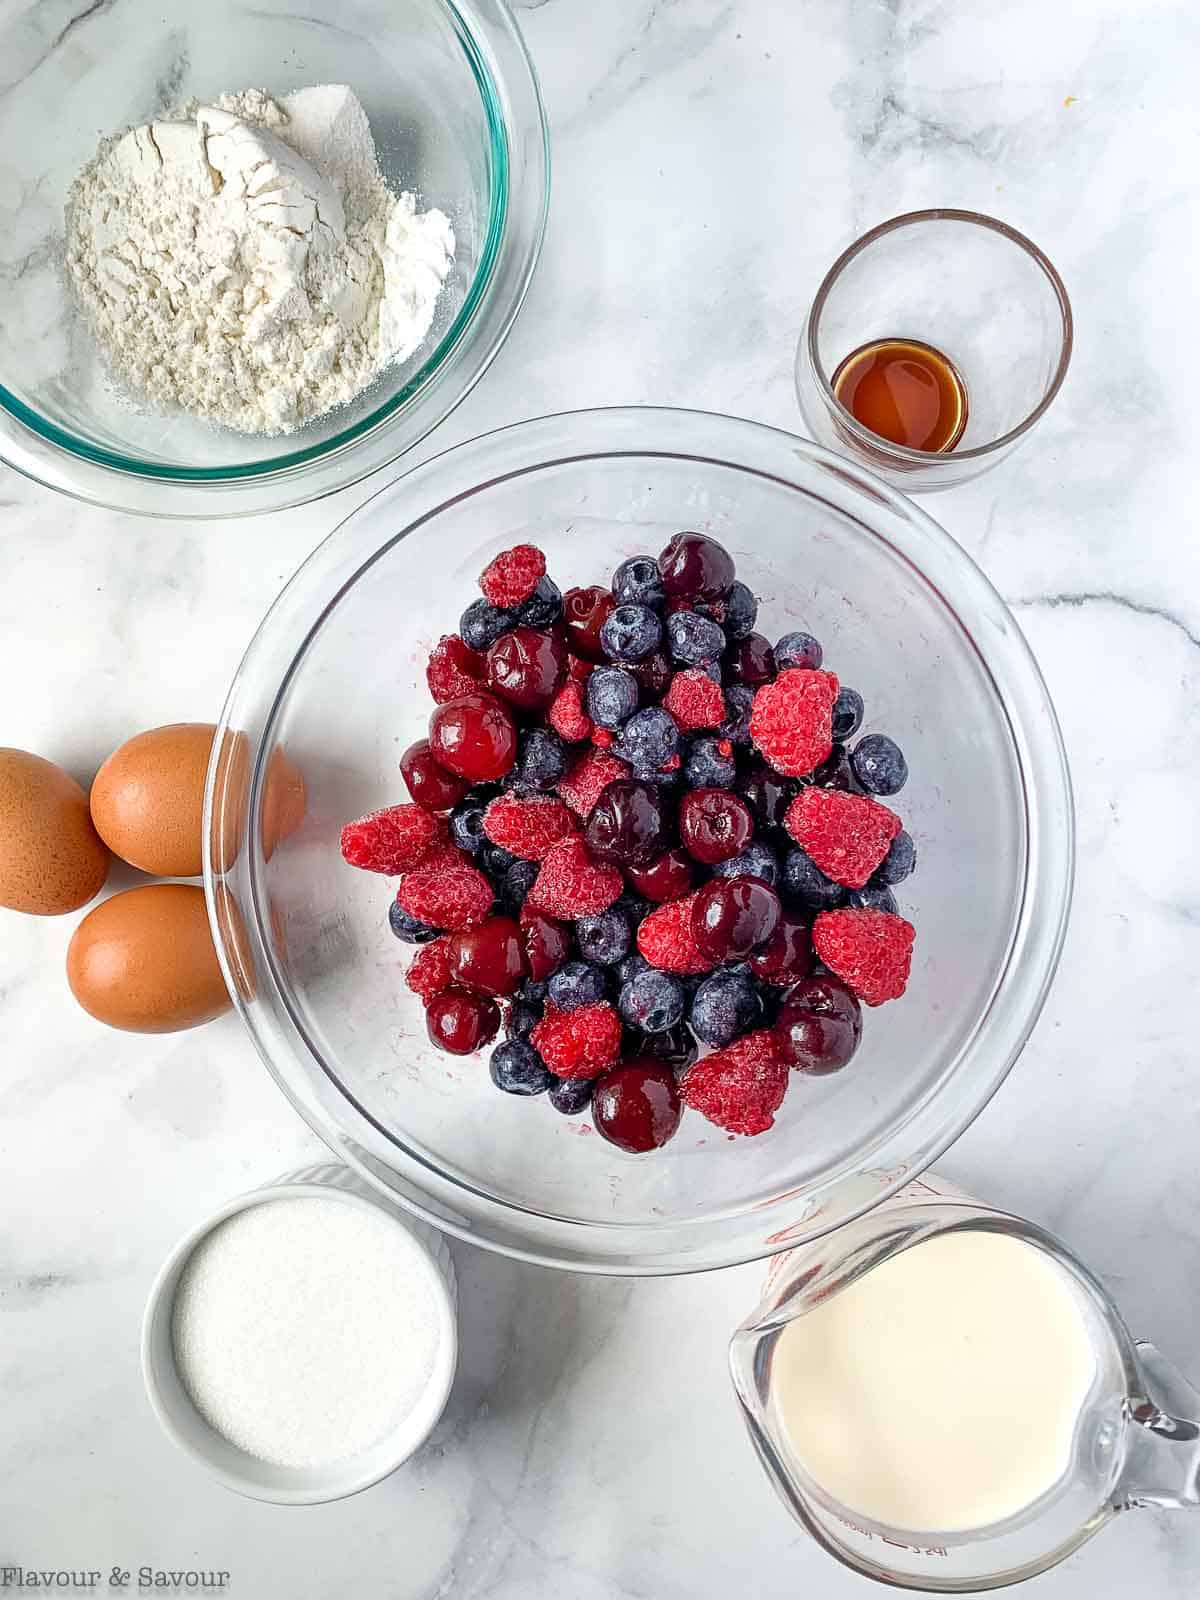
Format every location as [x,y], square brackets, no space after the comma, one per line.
[665,877]
[835,772]
[750,661]
[732,916]
[579,669]
[461,1022]
[819,1024]
[474,736]
[626,825]
[636,1105]
[654,674]
[526,666]
[547,942]
[584,613]
[766,793]
[489,958]
[714,825]
[431,786]
[695,567]
[675,1046]
[787,956]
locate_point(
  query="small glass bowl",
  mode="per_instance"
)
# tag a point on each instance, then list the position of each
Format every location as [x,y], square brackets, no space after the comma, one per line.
[334,684]
[457,117]
[978,292]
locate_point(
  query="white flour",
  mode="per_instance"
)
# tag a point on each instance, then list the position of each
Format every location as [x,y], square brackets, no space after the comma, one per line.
[246,261]
[306,1329]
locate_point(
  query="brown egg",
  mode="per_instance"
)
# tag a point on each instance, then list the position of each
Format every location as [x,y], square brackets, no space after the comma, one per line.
[282,806]
[148,797]
[145,961]
[51,859]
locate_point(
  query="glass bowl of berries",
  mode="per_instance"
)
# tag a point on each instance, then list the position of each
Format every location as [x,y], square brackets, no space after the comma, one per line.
[639,841]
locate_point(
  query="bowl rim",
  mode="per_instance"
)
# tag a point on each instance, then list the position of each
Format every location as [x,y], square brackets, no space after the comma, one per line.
[997,1035]
[519,166]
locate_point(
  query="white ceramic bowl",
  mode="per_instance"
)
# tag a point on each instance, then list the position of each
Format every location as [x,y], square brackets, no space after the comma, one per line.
[235,1468]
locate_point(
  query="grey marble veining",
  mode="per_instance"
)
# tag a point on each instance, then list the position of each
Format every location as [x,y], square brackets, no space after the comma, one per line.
[710,159]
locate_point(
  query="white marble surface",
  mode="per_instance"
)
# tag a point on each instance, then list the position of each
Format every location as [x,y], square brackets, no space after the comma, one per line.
[711,157]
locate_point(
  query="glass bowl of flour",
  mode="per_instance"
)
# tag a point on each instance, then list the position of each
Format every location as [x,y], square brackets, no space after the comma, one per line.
[249,257]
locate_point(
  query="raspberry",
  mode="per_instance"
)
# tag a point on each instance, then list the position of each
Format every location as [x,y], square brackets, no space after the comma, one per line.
[566,714]
[527,827]
[571,884]
[871,951]
[593,772]
[392,841]
[445,855]
[447,897]
[454,669]
[695,701]
[665,939]
[791,720]
[513,575]
[579,1043]
[847,835]
[741,1087]
[429,973]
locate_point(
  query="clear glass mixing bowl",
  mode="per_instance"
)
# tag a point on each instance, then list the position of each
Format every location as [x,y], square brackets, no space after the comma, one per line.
[457,117]
[335,680]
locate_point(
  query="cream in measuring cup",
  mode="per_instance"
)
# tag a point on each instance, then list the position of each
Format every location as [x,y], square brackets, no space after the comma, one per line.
[942,1389]
[947,1399]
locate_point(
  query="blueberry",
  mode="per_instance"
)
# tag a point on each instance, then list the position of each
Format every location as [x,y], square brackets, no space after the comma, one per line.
[899,862]
[879,764]
[847,714]
[693,639]
[517,1068]
[875,897]
[516,883]
[570,1095]
[638,582]
[798,650]
[535,990]
[466,824]
[633,906]
[708,766]
[495,859]
[629,967]
[612,696]
[648,740]
[652,1001]
[541,758]
[543,607]
[576,983]
[757,860]
[523,1018]
[630,633]
[739,700]
[482,623]
[741,611]
[725,1006]
[804,881]
[603,938]
[408,928]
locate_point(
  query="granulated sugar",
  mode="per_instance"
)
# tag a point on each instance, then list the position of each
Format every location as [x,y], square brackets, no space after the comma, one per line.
[306,1329]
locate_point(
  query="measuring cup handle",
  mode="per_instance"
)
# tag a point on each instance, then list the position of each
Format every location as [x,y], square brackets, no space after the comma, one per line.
[1162,1460]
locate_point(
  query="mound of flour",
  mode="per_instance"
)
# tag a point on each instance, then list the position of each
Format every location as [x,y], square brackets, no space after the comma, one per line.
[246,261]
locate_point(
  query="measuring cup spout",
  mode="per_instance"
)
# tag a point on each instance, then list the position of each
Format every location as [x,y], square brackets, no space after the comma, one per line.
[1162,1458]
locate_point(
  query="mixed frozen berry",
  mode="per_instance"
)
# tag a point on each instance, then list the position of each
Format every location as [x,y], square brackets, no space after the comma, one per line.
[645,846]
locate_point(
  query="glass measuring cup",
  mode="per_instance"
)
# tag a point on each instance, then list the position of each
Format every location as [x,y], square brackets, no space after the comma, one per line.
[1136,1438]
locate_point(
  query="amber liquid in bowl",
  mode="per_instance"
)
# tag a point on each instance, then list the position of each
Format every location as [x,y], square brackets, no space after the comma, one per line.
[906,392]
